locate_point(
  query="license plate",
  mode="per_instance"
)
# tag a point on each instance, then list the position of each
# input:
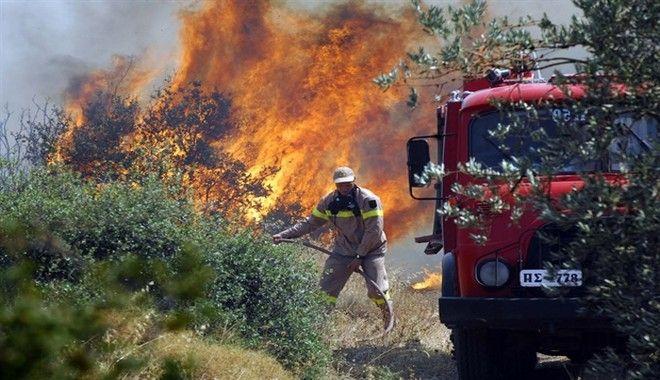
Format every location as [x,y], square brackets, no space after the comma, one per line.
[541,277]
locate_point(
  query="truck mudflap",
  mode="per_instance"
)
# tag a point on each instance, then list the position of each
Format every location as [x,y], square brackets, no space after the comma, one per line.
[517,313]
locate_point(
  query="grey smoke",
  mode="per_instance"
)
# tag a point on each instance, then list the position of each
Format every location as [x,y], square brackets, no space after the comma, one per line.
[43,44]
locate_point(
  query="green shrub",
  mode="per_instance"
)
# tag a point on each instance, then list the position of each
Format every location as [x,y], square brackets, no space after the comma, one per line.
[154,242]
[123,219]
[40,337]
[39,341]
[273,292]
[41,213]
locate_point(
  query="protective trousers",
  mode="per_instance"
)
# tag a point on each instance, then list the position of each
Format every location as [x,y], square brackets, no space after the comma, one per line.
[336,274]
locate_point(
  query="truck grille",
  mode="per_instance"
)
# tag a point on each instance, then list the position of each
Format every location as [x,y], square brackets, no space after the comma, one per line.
[545,247]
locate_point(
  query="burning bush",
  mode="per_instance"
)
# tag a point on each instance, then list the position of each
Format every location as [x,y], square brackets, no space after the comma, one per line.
[94,147]
[173,138]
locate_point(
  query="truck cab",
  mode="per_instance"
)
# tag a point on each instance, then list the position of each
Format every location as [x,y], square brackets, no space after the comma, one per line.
[492,294]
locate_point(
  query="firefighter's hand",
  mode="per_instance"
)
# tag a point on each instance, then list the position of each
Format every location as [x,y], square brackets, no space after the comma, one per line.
[354,265]
[277,239]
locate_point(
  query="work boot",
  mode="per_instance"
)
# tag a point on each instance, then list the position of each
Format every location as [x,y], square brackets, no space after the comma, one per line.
[385,314]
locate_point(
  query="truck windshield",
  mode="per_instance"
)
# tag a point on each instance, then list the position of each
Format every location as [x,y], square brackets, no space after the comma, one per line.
[639,134]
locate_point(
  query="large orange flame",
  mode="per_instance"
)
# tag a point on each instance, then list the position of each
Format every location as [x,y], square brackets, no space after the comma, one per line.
[304,102]
[303,89]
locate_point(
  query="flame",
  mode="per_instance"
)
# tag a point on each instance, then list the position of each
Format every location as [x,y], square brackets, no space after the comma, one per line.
[303,87]
[432,281]
[302,97]
[126,77]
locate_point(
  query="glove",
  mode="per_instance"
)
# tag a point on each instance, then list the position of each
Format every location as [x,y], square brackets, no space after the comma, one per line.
[277,239]
[354,265]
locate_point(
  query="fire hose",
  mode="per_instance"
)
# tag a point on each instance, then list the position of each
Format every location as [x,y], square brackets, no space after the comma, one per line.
[381,293]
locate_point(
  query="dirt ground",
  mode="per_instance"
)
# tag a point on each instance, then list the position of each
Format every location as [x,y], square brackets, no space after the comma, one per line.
[418,348]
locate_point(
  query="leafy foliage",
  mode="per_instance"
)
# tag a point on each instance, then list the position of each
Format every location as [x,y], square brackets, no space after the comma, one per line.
[89,243]
[37,340]
[469,46]
[94,147]
[40,335]
[615,211]
[271,291]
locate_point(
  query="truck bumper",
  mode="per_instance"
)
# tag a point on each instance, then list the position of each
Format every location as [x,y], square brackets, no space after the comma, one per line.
[518,313]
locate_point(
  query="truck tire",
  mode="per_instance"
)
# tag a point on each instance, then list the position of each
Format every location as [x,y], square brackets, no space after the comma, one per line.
[492,354]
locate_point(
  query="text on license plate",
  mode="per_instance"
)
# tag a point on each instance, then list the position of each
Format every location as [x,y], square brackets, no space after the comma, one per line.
[541,277]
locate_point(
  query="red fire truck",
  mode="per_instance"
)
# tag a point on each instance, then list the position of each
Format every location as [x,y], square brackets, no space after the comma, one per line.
[493,294]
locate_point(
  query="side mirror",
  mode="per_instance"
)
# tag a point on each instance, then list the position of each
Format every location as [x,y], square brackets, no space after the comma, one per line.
[418,158]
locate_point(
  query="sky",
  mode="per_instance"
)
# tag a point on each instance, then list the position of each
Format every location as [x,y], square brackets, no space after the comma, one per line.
[44,43]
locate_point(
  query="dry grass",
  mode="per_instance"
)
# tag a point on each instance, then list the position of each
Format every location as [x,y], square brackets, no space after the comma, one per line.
[211,360]
[417,348]
[135,334]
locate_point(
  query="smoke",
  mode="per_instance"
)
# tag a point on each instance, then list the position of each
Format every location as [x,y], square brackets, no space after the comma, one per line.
[44,44]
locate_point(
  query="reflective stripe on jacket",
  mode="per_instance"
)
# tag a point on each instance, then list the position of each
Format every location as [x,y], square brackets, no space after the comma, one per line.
[356,235]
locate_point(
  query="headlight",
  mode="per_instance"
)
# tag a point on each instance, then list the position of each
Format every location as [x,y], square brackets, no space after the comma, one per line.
[492,273]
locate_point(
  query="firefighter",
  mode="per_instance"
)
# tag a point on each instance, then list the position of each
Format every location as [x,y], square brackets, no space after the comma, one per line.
[357,216]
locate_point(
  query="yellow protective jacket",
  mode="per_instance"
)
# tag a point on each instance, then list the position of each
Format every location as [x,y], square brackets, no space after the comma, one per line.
[360,234]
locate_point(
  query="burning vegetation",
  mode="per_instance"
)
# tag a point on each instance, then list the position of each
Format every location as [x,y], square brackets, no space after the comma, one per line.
[266,101]
[431,281]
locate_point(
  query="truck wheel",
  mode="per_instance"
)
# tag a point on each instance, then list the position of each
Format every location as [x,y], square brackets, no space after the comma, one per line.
[492,354]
